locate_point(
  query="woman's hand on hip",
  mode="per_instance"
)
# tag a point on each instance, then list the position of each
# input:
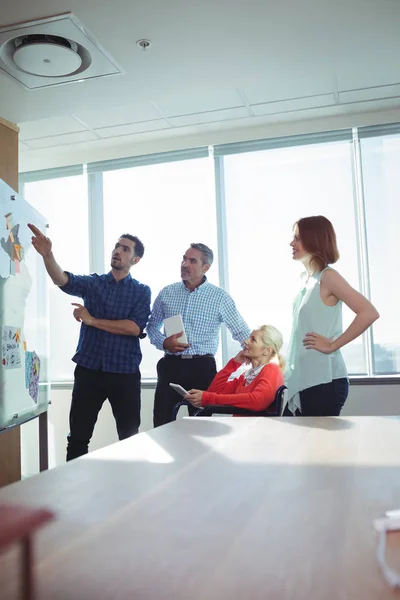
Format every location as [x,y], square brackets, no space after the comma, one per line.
[314,341]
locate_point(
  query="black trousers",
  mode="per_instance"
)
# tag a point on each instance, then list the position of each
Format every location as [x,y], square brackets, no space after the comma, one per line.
[91,389]
[196,372]
[324,400]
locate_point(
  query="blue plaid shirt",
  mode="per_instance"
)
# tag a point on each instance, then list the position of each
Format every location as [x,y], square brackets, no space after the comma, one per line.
[202,310]
[106,298]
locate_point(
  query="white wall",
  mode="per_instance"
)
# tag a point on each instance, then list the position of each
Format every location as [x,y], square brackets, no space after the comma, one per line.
[363,400]
[366,400]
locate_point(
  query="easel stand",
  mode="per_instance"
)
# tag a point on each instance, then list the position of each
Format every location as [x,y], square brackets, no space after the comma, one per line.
[10,460]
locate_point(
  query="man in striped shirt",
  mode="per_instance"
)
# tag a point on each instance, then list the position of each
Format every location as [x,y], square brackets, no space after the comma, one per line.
[115,312]
[203,307]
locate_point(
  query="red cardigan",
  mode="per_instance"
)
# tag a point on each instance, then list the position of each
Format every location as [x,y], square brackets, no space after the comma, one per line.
[259,394]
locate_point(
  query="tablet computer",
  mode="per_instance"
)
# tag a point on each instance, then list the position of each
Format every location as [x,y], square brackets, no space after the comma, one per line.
[178,388]
[175,325]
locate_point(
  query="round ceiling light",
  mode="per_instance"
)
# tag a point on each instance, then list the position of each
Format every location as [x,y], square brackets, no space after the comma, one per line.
[46,59]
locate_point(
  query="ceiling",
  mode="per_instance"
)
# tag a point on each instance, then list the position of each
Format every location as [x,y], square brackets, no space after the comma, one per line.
[213,65]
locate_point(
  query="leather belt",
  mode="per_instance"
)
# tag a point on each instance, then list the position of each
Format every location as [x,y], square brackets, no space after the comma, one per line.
[189,356]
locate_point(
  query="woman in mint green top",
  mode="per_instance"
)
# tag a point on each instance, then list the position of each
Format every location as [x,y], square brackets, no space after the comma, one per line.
[316,375]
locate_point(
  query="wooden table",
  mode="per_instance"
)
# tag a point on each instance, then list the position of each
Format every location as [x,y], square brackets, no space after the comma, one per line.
[220,508]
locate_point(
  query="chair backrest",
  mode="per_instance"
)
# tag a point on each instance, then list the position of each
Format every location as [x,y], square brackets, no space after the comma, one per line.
[275,409]
[177,406]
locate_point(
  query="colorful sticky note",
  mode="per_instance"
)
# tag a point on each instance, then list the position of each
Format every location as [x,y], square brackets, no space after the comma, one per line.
[32,374]
[11,355]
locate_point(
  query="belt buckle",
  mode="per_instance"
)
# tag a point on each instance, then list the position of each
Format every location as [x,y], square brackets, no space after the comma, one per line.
[186,356]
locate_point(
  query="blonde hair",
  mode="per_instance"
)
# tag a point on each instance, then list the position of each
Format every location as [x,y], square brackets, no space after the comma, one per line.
[272,337]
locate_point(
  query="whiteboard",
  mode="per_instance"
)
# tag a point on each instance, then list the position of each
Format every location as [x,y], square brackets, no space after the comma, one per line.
[24,323]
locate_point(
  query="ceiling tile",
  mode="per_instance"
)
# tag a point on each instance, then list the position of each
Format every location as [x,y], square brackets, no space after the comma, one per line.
[210,117]
[374,93]
[272,50]
[190,102]
[23,147]
[107,132]
[374,61]
[284,106]
[46,127]
[286,86]
[118,115]
[61,140]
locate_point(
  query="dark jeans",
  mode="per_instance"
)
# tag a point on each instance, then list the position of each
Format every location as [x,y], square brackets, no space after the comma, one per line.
[324,400]
[196,372]
[91,389]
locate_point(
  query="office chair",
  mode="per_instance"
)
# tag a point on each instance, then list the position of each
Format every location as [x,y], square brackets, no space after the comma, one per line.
[273,410]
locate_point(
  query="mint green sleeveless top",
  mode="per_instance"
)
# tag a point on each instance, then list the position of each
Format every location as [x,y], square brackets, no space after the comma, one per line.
[306,368]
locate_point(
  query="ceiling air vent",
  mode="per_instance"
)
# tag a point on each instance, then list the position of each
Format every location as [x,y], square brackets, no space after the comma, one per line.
[48,55]
[52,51]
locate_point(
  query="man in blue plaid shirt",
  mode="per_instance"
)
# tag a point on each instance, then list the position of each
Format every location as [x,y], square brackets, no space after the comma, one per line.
[115,312]
[203,308]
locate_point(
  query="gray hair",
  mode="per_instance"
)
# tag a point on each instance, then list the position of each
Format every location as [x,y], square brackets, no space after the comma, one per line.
[208,254]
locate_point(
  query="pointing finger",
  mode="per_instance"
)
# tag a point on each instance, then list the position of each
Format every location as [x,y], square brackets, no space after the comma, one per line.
[35,230]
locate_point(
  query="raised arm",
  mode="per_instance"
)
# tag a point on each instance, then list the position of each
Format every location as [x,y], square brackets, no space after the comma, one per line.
[337,287]
[133,325]
[43,246]
[220,383]
[233,320]
[117,327]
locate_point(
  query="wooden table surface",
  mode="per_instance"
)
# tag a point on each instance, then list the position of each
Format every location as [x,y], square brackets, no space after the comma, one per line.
[219,508]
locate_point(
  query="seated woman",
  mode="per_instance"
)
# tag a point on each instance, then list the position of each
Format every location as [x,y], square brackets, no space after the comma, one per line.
[254,389]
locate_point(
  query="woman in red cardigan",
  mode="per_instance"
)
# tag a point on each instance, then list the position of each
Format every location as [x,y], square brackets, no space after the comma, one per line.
[254,389]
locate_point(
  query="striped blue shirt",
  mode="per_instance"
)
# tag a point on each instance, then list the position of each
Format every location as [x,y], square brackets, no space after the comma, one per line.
[106,298]
[203,310]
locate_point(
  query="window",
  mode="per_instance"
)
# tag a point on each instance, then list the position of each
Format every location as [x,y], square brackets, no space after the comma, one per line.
[63,201]
[266,192]
[168,206]
[381,178]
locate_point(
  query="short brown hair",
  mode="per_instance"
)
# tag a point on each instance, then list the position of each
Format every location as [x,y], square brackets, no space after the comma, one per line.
[318,237]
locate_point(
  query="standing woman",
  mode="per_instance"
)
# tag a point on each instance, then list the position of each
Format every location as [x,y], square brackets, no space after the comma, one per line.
[316,375]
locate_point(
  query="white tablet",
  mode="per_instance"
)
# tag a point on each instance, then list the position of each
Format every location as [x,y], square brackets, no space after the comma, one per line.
[175,325]
[178,388]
